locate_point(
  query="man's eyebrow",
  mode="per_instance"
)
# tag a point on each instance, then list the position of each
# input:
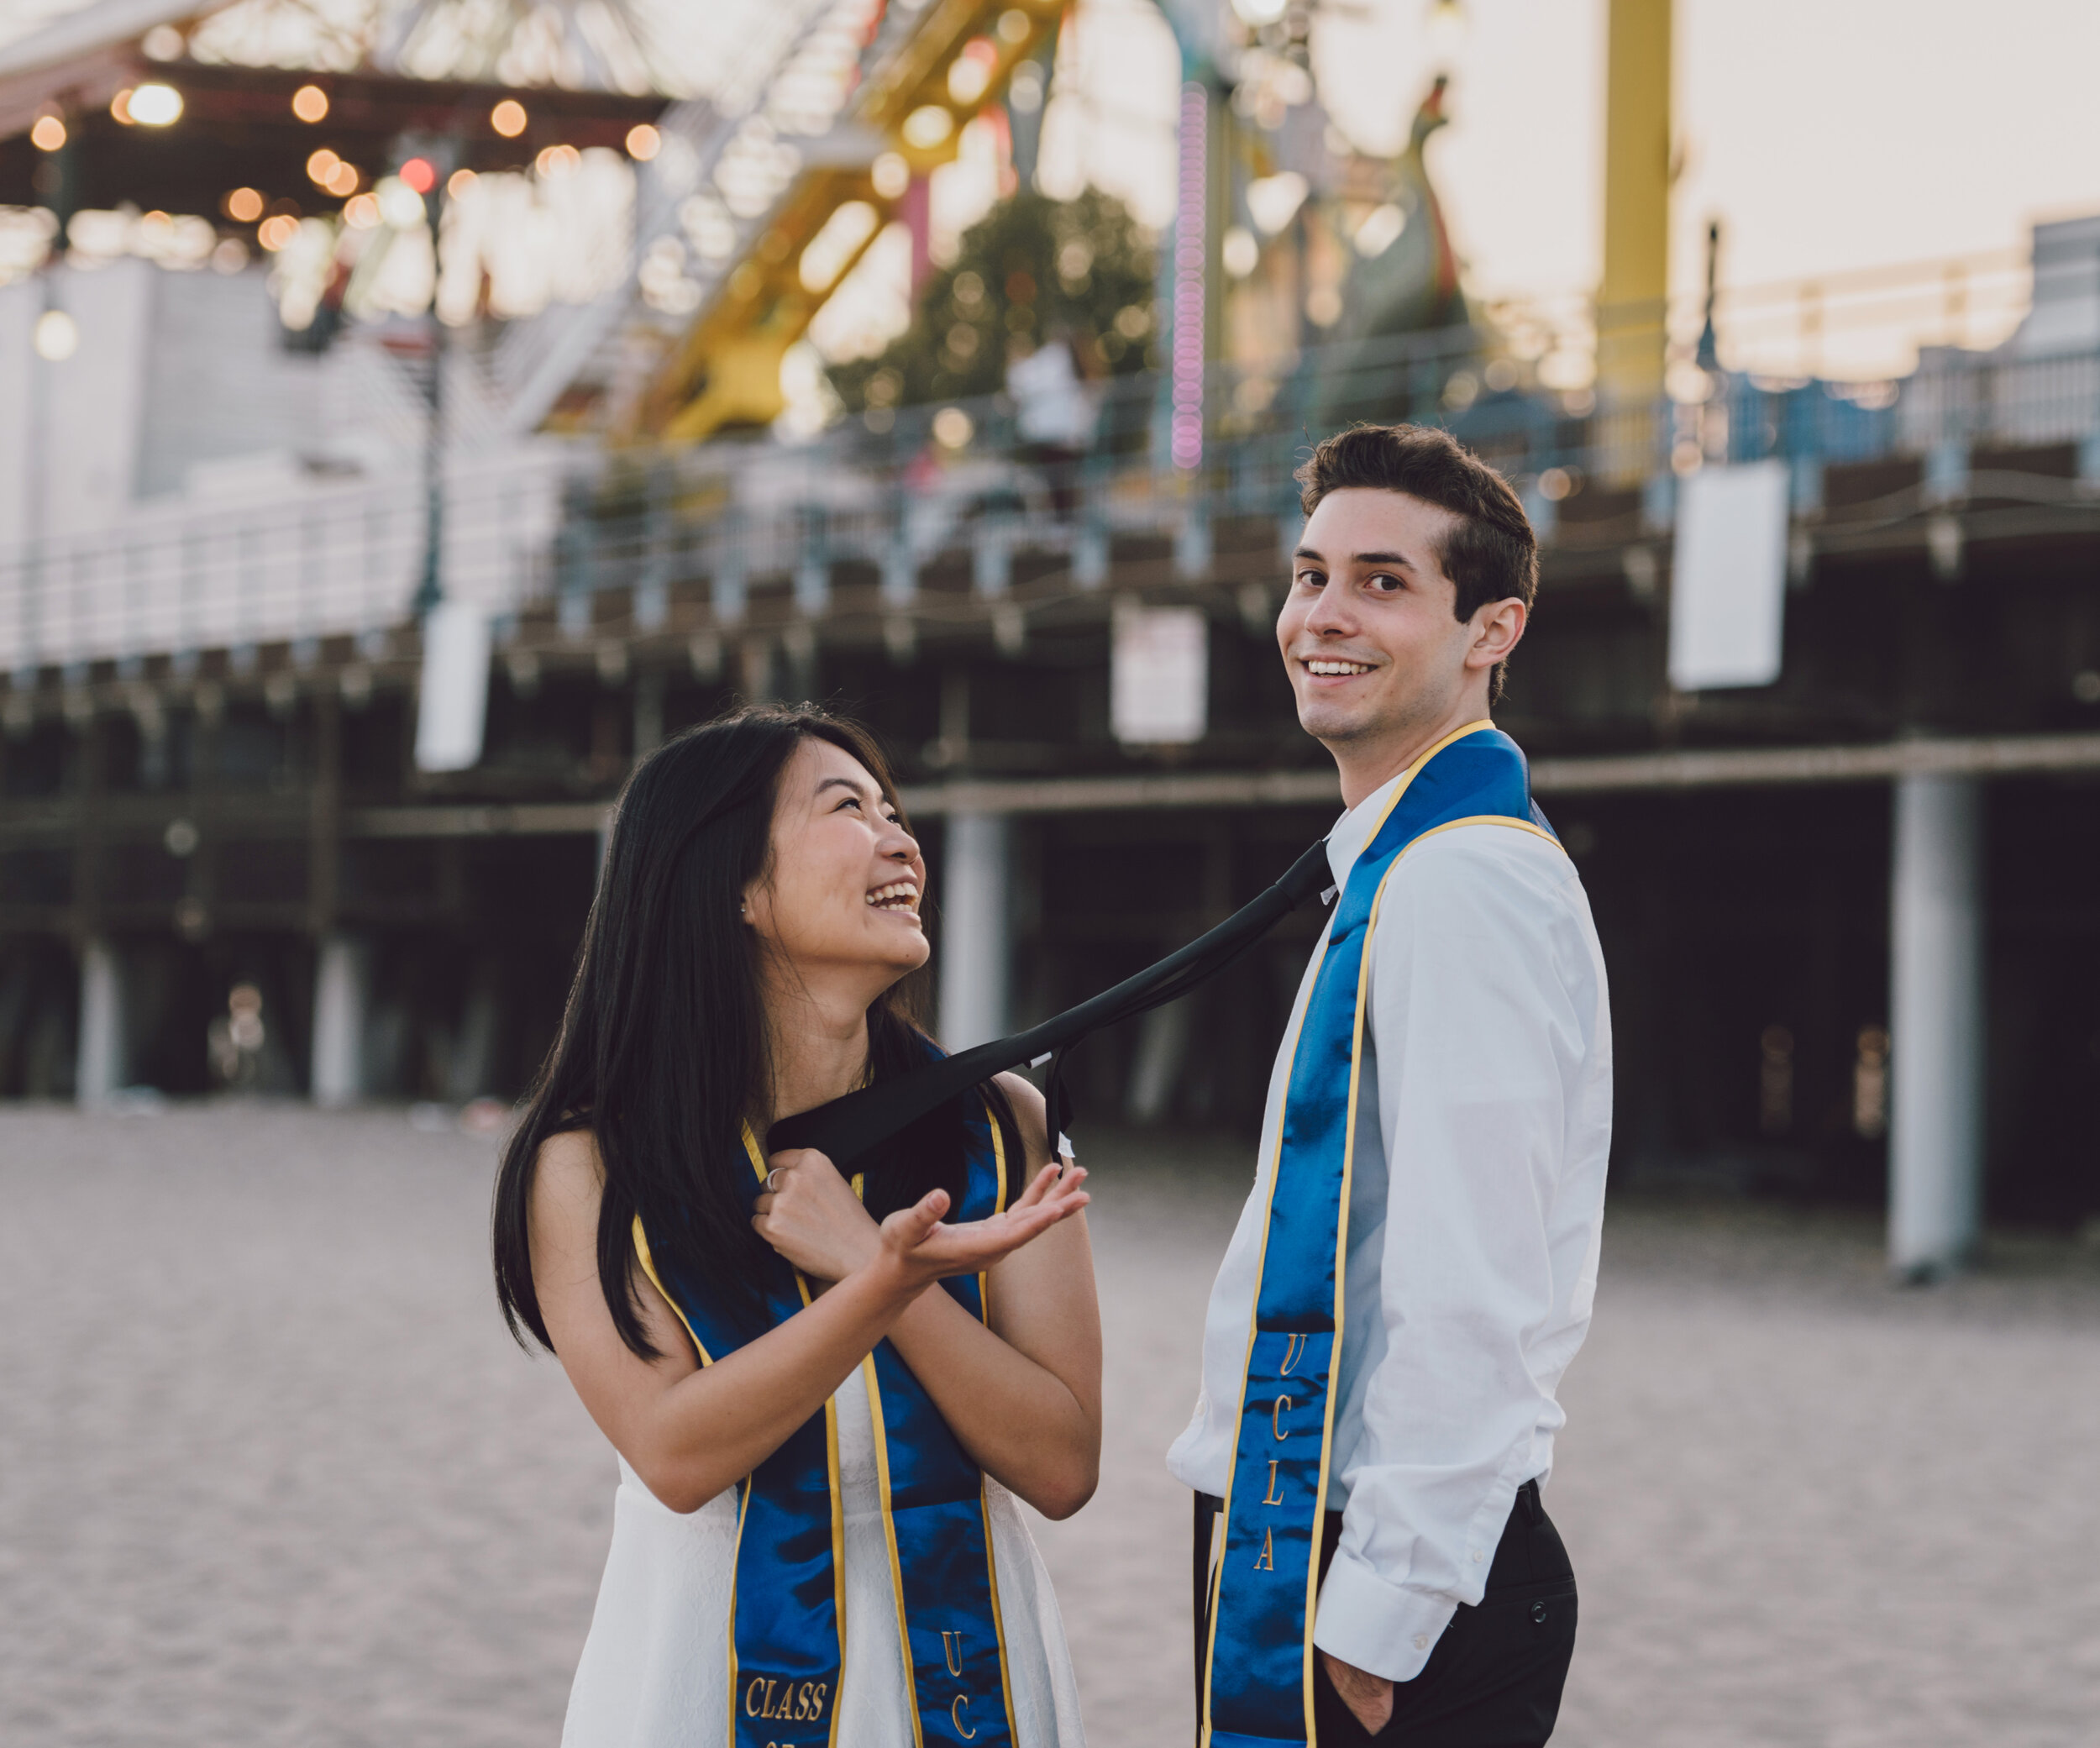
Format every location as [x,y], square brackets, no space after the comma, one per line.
[1306,552]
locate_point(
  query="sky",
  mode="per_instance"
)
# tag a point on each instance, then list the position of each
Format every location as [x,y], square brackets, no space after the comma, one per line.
[1829,136]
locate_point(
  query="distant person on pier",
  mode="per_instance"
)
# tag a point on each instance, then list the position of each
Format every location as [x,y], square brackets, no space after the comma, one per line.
[825,1395]
[1414,1269]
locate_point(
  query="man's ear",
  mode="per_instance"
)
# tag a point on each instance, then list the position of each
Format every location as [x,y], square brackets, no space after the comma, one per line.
[1498,627]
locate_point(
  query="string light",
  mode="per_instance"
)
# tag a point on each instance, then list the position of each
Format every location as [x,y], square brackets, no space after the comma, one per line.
[310,103]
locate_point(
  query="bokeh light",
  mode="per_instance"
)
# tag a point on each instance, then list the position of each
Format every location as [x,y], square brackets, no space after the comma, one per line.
[400,205]
[56,336]
[891,176]
[971,72]
[927,126]
[156,105]
[1380,230]
[508,117]
[310,103]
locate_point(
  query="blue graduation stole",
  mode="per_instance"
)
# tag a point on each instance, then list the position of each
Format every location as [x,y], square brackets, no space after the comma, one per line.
[787,1617]
[1259,1689]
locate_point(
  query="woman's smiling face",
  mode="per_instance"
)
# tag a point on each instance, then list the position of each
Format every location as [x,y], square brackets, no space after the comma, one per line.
[846,879]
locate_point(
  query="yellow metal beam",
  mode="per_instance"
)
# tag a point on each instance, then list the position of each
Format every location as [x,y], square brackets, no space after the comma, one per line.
[726,369]
[1637,153]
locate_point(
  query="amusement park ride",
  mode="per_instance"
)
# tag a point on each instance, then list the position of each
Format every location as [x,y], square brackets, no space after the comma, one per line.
[828,148]
[265,519]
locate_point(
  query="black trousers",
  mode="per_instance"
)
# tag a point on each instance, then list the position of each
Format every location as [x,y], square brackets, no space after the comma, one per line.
[1493,1679]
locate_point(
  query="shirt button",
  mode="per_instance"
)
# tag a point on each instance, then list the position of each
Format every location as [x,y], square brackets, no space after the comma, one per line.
[1422,1642]
[1478,1556]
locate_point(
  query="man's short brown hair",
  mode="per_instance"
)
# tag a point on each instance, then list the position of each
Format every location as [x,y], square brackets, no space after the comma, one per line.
[1490,552]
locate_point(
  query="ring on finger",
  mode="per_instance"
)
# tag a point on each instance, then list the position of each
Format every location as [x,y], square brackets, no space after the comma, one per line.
[770,1176]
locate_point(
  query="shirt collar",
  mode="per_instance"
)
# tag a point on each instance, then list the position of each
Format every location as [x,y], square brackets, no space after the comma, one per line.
[1352,833]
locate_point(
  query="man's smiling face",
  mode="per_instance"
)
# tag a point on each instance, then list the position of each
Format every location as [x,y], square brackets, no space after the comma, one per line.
[1370,636]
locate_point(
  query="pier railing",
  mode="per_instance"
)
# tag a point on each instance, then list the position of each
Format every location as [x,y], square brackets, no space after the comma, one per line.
[1067,477]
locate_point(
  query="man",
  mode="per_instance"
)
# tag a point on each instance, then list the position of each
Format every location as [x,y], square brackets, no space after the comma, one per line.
[1414,1267]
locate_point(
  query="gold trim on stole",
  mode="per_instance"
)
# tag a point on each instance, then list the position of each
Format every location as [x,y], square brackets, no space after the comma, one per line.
[707,1359]
[648,1268]
[889,1539]
[1268,1212]
[984,1506]
[1224,1514]
[838,1507]
[882,1478]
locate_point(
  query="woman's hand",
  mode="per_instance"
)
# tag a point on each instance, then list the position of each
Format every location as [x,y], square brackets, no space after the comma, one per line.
[927,1248]
[812,1217]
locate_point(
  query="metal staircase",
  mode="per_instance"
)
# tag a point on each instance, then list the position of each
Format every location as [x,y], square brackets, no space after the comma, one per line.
[722,169]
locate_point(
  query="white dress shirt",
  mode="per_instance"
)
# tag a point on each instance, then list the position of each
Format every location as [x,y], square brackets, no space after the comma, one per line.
[1484,1121]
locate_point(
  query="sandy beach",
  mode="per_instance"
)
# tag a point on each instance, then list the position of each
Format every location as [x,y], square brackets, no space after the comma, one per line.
[271,1472]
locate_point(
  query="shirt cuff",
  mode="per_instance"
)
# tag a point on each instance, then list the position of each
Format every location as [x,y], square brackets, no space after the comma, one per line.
[1375,1626]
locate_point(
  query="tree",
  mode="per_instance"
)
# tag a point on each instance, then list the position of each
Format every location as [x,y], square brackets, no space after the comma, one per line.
[1032,269]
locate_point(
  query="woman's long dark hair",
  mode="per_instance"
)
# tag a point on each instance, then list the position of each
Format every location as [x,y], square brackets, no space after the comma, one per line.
[662,1053]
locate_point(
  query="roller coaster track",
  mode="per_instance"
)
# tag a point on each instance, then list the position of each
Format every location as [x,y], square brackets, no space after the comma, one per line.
[744,184]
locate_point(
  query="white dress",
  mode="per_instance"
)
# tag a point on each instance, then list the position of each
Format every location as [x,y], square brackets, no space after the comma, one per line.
[654,1672]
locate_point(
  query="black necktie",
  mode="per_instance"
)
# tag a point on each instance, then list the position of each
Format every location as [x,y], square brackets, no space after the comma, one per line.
[849,1128]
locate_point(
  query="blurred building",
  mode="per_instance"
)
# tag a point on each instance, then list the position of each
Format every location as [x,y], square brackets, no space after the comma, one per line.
[330,632]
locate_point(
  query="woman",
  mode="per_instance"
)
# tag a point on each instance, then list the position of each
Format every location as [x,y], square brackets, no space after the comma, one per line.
[815,1538]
